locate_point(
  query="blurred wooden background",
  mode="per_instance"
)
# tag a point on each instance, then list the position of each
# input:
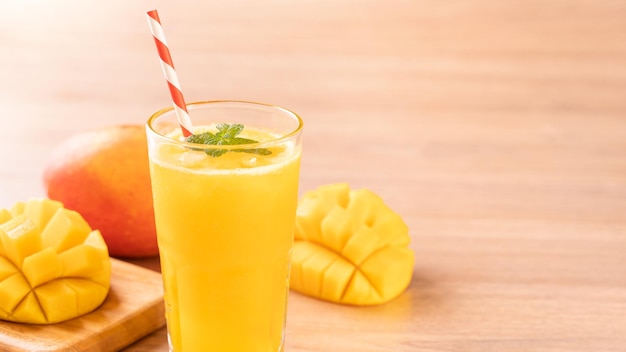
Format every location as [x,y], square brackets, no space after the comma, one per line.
[497,129]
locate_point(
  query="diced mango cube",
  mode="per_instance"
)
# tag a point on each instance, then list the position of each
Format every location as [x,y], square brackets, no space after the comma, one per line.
[65,230]
[29,310]
[389,276]
[336,228]
[58,300]
[361,245]
[6,268]
[20,238]
[297,258]
[361,291]
[393,226]
[363,206]
[336,277]
[313,269]
[41,267]
[40,211]
[92,293]
[312,209]
[12,290]
[349,247]
[95,240]
[80,261]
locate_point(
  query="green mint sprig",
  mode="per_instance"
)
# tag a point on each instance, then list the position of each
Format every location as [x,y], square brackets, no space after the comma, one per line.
[226,135]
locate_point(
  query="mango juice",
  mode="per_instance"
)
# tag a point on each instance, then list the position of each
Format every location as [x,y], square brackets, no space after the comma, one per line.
[225,228]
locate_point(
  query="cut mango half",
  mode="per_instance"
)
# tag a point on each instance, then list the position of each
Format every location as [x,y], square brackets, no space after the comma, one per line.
[350,247]
[53,266]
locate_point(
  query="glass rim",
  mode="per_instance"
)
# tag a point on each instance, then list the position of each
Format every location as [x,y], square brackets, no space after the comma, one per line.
[282,138]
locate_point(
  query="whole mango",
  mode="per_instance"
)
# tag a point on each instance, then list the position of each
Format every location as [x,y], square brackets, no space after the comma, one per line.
[104,175]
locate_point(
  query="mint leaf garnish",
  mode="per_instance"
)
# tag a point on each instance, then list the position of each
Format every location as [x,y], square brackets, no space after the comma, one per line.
[226,135]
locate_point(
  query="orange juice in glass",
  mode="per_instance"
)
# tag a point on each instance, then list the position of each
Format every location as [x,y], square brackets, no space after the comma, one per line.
[225,219]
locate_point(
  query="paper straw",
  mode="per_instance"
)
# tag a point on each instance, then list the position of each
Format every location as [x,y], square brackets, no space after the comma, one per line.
[167,66]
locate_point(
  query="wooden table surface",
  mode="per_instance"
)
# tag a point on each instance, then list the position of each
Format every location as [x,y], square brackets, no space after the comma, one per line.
[497,129]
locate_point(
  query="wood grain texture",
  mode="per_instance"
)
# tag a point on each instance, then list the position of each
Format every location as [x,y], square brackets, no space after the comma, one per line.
[497,129]
[133,309]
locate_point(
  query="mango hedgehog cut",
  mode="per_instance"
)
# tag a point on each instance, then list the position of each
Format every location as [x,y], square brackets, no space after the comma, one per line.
[350,247]
[53,266]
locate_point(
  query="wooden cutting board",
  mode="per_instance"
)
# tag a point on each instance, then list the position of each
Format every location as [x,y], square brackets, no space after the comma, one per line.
[133,309]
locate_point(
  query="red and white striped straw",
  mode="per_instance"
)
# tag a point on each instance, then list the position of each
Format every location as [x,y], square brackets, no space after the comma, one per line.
[167,65]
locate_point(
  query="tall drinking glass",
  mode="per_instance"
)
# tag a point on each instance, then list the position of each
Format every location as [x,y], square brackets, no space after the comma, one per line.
[225,217]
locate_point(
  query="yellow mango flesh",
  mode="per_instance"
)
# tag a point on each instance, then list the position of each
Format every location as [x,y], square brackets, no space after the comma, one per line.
[20,238]
[41,267]
[53,266]
[350,248]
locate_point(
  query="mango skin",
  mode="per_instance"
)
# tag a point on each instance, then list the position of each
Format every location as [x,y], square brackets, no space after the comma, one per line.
[104,175]
[53,266]
[350,247]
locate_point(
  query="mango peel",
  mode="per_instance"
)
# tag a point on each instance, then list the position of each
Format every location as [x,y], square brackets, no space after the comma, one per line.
[350,247]
[53,266]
